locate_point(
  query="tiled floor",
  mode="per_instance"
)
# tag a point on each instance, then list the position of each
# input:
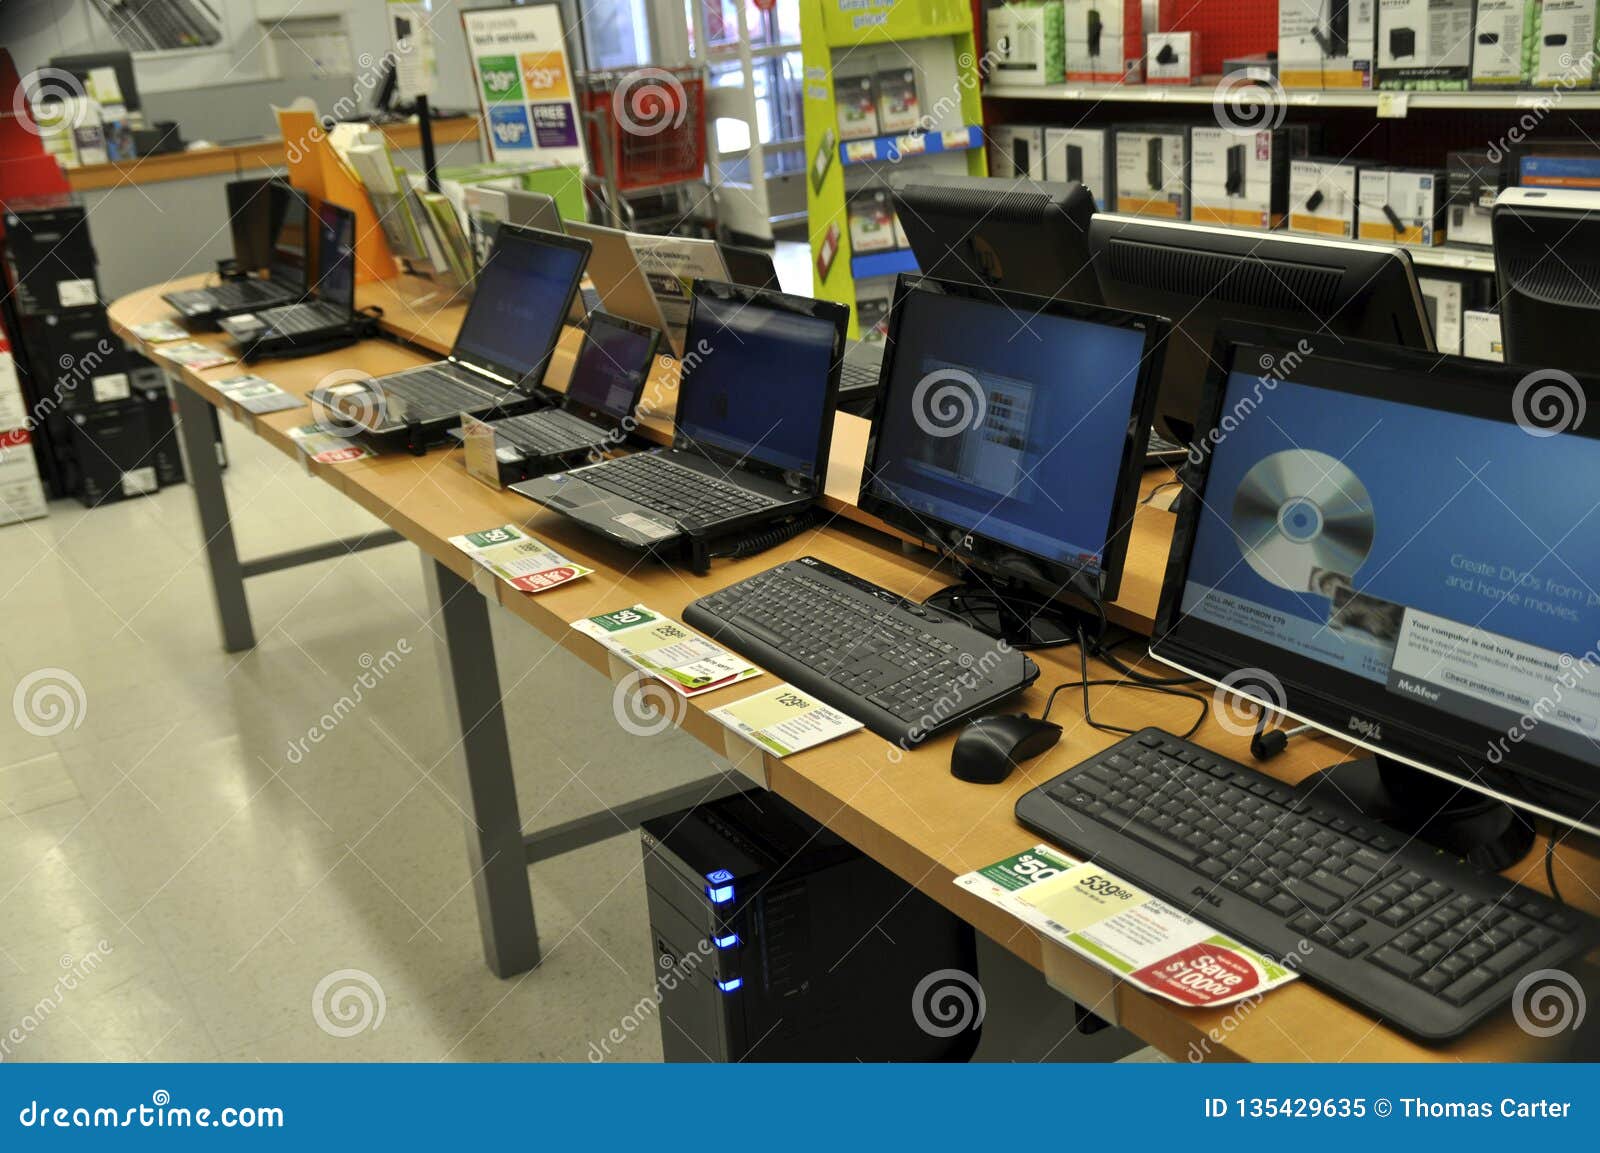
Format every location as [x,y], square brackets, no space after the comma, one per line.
[179,878]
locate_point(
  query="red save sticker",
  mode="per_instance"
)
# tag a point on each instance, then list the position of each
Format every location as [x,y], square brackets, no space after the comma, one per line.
[545,578]
[339,455]
[1201,975]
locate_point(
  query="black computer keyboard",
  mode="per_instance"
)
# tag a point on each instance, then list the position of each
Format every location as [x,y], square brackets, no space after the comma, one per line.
[669,488]
[230,293]
[855,377]
[293,319]
[904,671]
[1424,940]
[434,393]
[550,433]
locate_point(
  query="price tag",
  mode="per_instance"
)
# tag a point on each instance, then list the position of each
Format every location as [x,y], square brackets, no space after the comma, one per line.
[858,150]
[1393,105]
[911,145]
[958,137]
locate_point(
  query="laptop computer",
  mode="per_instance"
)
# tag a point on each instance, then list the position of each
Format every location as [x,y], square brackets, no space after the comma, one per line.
[750,266]
[284,282]
[487,206]
[500,353]
[255,209]
[754,425]
[327,315]
[625,289]
[596,411]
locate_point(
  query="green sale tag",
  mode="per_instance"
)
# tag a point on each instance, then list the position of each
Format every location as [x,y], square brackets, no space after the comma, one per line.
[623,619]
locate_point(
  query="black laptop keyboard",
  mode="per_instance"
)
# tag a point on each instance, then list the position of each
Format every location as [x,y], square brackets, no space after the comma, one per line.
[665,486]
[434,393]
[293,319]
[235,292]
[550,433]
[855,377]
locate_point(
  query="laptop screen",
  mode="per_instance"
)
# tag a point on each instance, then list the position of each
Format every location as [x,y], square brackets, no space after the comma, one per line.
[290,245]
[755,381]
[336,256]
[611,367]
[519,303]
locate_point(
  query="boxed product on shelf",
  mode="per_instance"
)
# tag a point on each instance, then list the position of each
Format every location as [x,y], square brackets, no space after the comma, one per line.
[1444,298]
[1238,179]
[871,213]
[1172,58]
[21,493]
[1152,171]
[1564,55]
[1557,164]
[1017,150]
[1401,205]
[899,109]
[1326,43]
[1480,335]
[1105,40]
[111,445]
[77,360]
[48,255]
[1476,178]
[872,312]
[1083,155]
[857,98]
[1424,42]
[1259,66]
[1503,43]
[1027,42]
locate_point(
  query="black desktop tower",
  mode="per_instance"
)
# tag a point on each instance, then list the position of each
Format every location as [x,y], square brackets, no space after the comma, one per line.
[1075,164]
[111,452]
[48,256]
[775,940]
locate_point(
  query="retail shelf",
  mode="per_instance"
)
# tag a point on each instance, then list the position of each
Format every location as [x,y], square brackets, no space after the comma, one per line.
[890,263]
[1385,103]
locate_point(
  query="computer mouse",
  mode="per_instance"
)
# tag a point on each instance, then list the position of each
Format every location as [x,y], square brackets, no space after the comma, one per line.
[990,747]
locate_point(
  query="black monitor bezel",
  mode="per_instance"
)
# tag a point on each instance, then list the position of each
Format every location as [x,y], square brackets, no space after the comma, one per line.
[344,223]
[985,554]
[290,195]
[526,383]
[1427,739]
[652,337]
[832,311]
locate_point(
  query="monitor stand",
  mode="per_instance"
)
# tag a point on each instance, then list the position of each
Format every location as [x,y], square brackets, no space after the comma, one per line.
[1013,612]
[1486,831]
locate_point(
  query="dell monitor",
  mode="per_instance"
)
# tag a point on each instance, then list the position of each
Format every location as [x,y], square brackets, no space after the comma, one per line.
[1012,235]
[1199,276]
[1372,542]
[1547,275]
[1017,454]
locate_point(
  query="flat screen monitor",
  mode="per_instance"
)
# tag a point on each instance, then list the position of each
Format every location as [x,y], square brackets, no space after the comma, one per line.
[336,256]
[1017,448]
[1200,276]
[1392,549]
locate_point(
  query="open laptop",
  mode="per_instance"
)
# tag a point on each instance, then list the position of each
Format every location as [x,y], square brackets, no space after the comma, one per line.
[255,209]
[750,266]
[608,378]
[284,282]
[328,313]
[624,289]
[500,353]
[753,429]
[487,206]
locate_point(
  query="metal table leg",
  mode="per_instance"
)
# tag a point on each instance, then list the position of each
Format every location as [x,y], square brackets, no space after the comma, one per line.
[211,502]
[495,850]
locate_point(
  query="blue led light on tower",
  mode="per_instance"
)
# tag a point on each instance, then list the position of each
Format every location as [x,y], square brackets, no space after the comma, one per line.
[730,984]
[719,894]
[726,941]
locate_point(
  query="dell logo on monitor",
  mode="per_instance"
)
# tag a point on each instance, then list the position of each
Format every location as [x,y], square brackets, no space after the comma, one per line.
[1371,730]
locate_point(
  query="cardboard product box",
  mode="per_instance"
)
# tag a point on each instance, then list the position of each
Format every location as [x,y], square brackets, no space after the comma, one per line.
[77,360]
[1476,178]
[111,445]
[1566,164]
[1326,43]
[1238,179]
[871,213]
[1480,335]
[163,431]
[49,258]
[1564,54]
[1259,66]
[1445,300]
[1105,40]
[1028,43]
[1083,155]
[856,98]
[1503,38]
[899,106]
[1424,41]
[21,493]
[1017,150]
[1402,205]
[1153,171]
[13,408]
[1172,58]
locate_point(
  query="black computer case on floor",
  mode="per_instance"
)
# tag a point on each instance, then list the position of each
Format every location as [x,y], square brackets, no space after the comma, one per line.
[775,940]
